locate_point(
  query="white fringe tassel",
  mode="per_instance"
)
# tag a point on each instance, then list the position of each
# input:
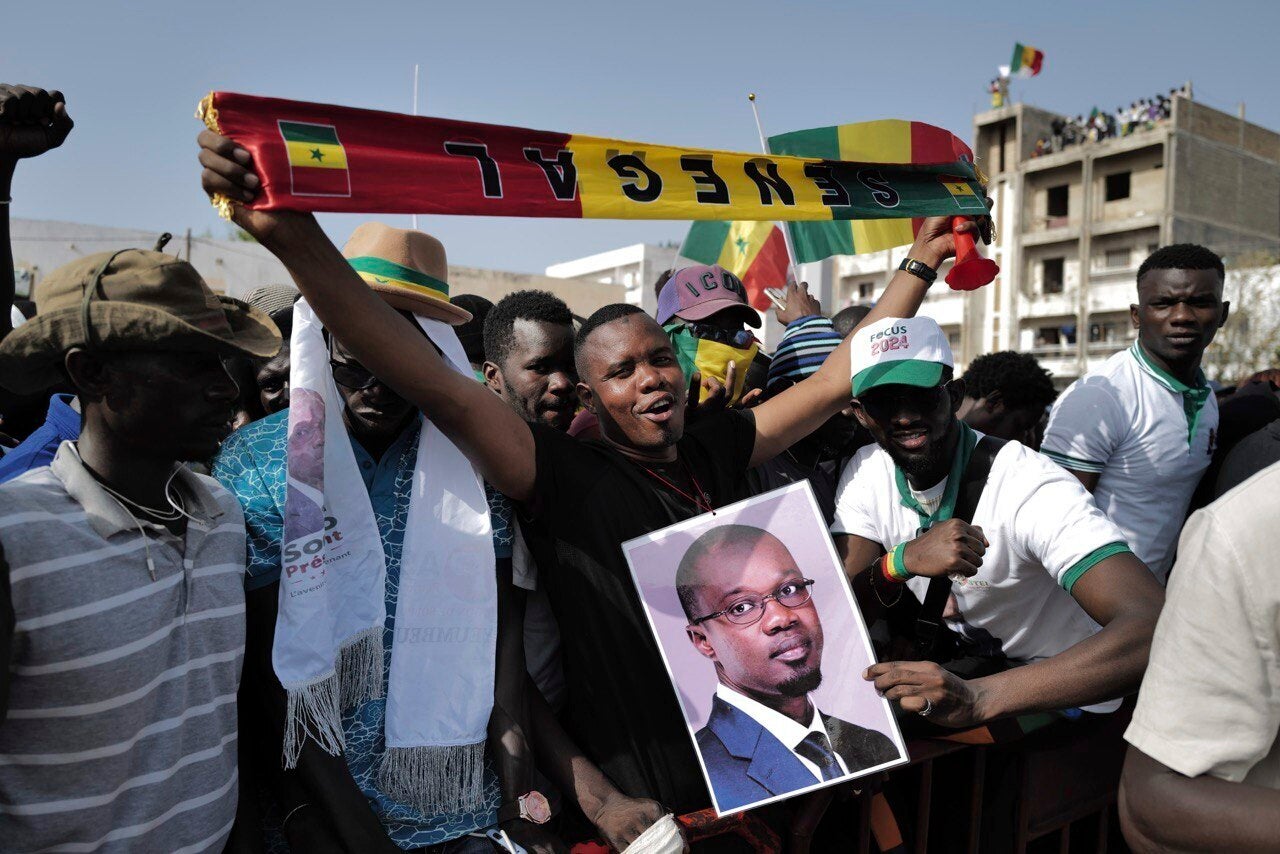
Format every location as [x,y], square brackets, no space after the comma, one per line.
[434,780]
[315,710]
[360,668]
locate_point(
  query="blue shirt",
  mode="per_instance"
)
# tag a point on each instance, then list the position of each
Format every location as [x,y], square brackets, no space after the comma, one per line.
[252,466]
[62,423]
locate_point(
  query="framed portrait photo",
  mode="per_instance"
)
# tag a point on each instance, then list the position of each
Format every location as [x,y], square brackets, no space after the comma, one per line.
[765,646]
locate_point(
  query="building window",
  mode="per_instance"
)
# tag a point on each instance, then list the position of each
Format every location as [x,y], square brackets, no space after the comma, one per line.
[1117,186]
[1054,337]
[1057,201]
[1048,336]
[866,290]
[953,341]
[1051,272]
[1152,247]
[1114,258]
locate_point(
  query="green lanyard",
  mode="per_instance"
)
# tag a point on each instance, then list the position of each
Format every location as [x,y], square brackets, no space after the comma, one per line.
[964,449]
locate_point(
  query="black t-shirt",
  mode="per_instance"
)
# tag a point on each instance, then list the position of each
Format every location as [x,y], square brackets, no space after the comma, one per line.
[589,499]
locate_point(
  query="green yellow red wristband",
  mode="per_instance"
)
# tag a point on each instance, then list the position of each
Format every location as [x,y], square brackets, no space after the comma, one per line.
[893,566]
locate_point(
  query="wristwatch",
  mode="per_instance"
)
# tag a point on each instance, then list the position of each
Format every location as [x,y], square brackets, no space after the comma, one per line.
[531,806]
[919,269]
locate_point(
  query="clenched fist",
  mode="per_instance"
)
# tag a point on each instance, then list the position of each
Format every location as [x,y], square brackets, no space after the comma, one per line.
[947,548]
[32,121]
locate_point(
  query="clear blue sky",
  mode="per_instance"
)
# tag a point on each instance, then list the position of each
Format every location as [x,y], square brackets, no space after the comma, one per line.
[655,71]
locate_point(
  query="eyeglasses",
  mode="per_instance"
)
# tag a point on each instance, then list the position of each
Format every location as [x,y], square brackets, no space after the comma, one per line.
[885,401]
[740,338]
[748,610]
[354,377]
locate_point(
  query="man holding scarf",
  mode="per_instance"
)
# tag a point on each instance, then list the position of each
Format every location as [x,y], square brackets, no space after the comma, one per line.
[371,588]
[585,498]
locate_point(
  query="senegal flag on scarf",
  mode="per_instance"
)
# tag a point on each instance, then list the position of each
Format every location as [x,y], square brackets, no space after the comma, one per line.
[1026,61]
[317,160]
[755,252]
[319,157]
[888,141]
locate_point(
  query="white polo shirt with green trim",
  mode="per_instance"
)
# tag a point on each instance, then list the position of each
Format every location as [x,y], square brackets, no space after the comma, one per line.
[1148,436]
[1045,534]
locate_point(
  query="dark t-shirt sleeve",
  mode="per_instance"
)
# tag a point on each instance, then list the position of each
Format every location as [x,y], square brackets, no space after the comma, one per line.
[727,439]
[562,476]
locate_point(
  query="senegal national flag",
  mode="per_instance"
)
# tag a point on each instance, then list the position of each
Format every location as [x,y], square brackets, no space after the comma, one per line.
[755,252]
[1026,61]
[889,141]
[317,160]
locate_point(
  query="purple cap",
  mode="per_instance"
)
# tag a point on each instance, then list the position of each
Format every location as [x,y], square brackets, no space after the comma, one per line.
[696,293]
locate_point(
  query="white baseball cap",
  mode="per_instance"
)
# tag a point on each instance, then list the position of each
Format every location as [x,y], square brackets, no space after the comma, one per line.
[899,351]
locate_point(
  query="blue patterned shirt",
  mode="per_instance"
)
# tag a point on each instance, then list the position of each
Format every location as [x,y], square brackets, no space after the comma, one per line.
[252,466]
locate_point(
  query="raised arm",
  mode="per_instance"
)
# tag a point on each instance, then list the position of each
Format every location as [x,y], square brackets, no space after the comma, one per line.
[786,419]
[32,121]
[491,435]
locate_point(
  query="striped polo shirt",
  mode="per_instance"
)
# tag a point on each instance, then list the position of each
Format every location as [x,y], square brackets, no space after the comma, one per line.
[121,731]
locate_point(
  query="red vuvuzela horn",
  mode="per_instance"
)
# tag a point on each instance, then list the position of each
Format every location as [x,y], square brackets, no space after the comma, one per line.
[971,271]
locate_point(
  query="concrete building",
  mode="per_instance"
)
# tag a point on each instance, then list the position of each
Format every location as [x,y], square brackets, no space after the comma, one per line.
[1074,225]
[234,267]
[582,294]
[231,267]
[635,268]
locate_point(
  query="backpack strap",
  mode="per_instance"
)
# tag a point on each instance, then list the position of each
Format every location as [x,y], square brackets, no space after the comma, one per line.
[929,620]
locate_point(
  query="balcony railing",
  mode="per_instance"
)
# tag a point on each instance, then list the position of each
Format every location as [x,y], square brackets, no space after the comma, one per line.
[1106,348]
[1041,222]
[1054,351]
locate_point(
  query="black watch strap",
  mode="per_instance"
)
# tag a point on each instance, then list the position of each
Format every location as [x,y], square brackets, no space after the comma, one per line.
[919,269]
[509,811]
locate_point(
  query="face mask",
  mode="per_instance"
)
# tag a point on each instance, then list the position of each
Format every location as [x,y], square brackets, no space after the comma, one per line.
[711,359]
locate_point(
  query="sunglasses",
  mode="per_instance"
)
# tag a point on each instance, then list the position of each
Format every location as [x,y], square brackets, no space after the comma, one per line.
[740,338]
[354,377]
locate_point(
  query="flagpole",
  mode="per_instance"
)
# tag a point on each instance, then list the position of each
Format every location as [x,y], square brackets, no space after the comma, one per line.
[413,218]
[782,226]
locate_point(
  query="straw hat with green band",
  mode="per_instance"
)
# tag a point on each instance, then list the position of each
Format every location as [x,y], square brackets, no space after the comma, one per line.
[132,299]
[408,268]
[899,351]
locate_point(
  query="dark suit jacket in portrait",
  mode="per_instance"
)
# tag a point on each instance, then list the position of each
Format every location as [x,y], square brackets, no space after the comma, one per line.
[746,763]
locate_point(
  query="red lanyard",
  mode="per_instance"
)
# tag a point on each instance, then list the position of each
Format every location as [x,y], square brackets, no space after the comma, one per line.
[700,504]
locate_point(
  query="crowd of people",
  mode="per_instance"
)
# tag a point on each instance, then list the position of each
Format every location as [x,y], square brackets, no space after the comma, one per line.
[338,568]
[1099,125]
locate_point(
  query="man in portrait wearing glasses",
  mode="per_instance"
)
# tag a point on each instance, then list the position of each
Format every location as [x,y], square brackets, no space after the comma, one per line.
[751,612]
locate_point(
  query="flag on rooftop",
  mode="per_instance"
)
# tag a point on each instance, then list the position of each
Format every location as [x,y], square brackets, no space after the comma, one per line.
[1026,61]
